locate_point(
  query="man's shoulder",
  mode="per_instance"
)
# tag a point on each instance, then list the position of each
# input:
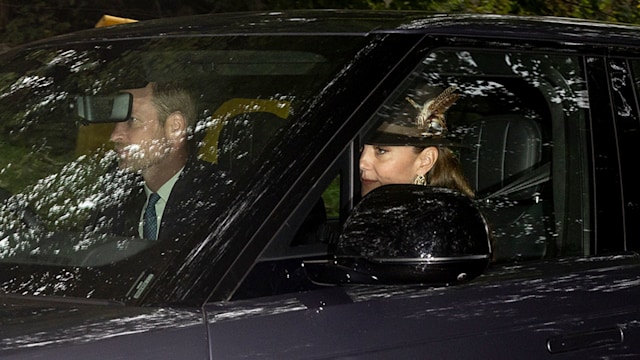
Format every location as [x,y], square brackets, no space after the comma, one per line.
[197,168]
[198,188]
[199,178]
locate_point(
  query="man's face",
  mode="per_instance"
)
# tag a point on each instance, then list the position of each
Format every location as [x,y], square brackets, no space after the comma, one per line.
[140,142]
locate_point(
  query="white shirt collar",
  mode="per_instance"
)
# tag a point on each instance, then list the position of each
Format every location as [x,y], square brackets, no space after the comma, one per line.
[165,189]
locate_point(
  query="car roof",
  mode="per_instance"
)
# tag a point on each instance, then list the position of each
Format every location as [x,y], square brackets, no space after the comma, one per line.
[363,22]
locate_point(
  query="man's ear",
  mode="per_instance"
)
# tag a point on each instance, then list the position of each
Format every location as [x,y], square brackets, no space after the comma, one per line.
[175,126]
[427,158]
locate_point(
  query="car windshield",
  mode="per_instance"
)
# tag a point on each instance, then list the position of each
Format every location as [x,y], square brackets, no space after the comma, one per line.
[61,188]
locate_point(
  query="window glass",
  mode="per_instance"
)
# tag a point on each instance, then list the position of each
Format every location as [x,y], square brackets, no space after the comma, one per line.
[635,68]
[307,234]
[517,130]
[625,85]
[71,190]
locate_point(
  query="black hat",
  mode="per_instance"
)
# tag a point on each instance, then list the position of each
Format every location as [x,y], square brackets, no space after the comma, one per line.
[427,128]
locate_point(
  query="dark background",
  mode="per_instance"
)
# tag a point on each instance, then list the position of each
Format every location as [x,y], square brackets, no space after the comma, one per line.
[26,20]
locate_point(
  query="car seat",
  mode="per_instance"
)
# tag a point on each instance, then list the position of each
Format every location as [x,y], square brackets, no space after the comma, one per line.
[242,131]
[244,138]
[503,161]
[245,128]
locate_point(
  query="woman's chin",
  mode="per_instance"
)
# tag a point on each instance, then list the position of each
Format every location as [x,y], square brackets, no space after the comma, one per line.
[367,188]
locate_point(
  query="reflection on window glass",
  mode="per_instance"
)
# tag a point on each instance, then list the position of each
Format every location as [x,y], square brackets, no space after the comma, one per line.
[82,127]
[517,118]
[635,67]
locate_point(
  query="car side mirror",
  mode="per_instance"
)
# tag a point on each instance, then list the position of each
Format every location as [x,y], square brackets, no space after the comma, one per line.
[104,108]
[408,234]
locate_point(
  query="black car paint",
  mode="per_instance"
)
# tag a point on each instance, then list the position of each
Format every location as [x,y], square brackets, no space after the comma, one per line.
[479,319]
[556,300]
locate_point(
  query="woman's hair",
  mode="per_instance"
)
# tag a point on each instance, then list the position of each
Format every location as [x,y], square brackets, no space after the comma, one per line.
[447,171]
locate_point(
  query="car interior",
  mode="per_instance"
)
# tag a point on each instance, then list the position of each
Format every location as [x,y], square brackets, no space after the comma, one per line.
[503,163]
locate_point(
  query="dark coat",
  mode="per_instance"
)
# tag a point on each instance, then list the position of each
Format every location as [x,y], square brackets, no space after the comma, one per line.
[193,196]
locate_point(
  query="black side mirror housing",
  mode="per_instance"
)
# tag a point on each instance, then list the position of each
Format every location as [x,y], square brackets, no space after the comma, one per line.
[408,234]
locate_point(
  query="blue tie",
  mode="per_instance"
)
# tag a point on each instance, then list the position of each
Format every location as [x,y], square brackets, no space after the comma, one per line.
[150,221]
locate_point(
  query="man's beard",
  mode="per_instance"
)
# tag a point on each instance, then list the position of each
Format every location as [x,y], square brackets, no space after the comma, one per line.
[137,159]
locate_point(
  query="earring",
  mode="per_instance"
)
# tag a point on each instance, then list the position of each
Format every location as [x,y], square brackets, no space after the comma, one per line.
[420,180]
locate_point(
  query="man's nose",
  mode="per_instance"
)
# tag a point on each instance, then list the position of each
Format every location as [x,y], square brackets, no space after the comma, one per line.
[117,135]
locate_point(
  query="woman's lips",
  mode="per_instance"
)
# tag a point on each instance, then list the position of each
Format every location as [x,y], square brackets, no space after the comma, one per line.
[367,183]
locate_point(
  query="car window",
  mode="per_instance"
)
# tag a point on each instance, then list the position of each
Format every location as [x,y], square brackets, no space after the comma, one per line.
[308,233]
[635,66]
[59,170]
[625,84]
[519,129]
[519,117]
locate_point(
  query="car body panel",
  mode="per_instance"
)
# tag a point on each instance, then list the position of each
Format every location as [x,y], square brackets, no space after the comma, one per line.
[61,328]
[474,319]
[553,302]
[324,22]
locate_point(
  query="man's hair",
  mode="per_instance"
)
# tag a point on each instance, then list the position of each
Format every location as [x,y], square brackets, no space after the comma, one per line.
[172,97]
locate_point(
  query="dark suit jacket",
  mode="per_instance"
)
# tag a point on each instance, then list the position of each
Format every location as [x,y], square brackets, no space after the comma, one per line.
[193,196]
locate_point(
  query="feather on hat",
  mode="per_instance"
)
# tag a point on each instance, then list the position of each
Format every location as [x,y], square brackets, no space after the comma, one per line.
[429,126]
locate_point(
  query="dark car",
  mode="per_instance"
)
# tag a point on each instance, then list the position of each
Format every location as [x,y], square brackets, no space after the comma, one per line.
[286,260]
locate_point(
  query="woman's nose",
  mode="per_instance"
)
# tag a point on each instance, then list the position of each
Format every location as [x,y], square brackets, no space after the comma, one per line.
[364,157]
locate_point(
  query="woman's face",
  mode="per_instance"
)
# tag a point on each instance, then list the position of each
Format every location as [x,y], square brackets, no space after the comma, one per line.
[382,165]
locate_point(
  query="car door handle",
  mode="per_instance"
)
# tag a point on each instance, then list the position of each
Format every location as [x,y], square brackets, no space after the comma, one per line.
[577,341]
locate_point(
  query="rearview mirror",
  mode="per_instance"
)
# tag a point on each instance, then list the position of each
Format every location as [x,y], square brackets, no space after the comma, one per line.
[408,234]
[104,108]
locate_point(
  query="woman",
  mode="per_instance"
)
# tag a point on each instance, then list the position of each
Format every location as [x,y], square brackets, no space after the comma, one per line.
[415,152]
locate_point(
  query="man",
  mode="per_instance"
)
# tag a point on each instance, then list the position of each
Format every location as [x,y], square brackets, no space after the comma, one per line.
[154,144]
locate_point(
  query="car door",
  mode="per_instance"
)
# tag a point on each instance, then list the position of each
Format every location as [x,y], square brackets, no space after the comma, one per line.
[540,316]
[539,145]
